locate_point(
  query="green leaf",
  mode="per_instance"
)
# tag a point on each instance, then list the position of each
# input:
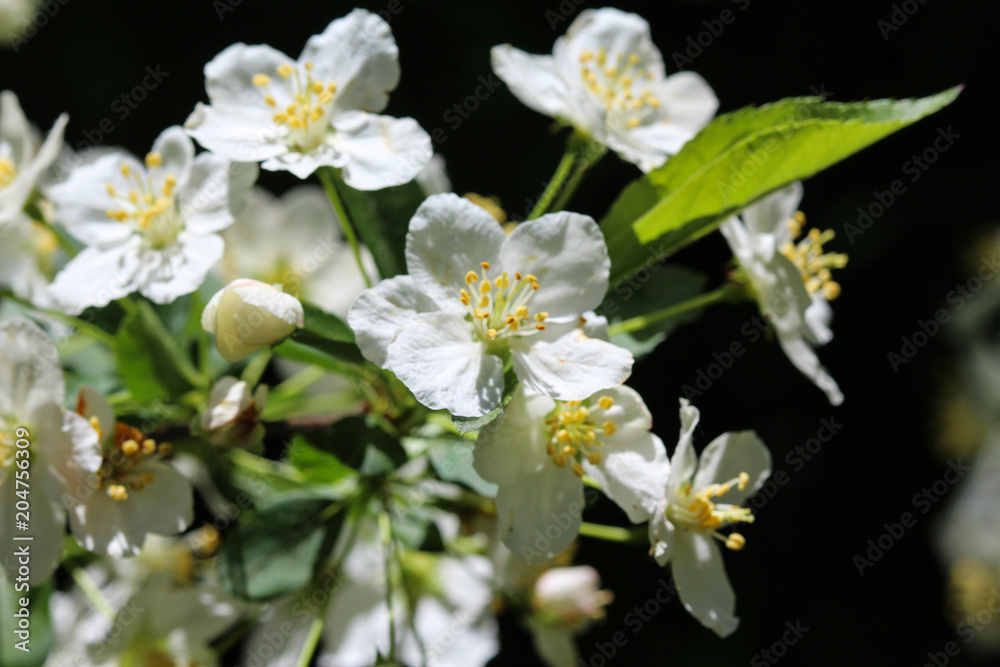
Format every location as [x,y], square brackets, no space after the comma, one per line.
[648,292]
[360,445]
[279,548]
[469,424]
[381,218]
[318,466]
[342,358]
[739,158]
[452,459]
[326,325]
[145,355]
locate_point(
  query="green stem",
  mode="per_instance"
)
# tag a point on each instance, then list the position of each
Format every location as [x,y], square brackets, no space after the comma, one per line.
[727,292]
[88,328]
[312,640]
[177,356]
[607,533]
[255,368]
[581,154]
[92,591]
[345,222]
[385,530]
[299,382]
[554,185]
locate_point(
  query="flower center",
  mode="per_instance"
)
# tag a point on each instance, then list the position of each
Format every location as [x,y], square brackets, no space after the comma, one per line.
[8,172]
[573,434]
[808,256]
[149,205]
[695,510]
[123,455]
[615,81]
[307,118]
[499,307]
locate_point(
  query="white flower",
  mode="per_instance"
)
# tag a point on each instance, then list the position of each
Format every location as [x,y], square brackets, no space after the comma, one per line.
[233,415]
[295,241]
[134,492]
[318,111]
[565,601]
[247,315]
[792,282]
[167,625]
[22,160]
[684,528]
[149,227]
[540,451]
[63,447]
[450,612]
[475,298]
[606,78]
[28,249]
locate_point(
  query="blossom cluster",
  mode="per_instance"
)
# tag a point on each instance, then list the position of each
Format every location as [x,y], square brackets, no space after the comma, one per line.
[444,384]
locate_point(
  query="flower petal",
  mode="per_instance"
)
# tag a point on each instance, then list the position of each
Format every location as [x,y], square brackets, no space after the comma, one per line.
[229,79]
[634,469]
[377,152]
[177,151]
[729,455]
[535,80]
[167,502]
[619,33]
[702,583]
[82,200]
[539,504]
[379,312]
[30,372]
[661,535]
[357,52]
[567,253]
[236,133]
[571,367]
[684,461]
[770,214]
[449,236]
[435,356]
[48,523]
[216,190]
[804,358]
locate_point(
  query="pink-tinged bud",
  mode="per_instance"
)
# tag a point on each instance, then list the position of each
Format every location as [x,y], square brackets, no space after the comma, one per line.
[247,315]
[570,597]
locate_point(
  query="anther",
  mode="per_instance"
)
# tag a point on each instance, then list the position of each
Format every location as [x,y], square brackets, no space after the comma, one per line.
[744,480]
[578,470]
[609,428]
[471,277]
[260,80]
[606,402]
[735,541]
[130,447]
[117,492]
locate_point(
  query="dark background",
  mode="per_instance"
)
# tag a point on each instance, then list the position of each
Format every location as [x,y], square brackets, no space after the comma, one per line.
[798,562]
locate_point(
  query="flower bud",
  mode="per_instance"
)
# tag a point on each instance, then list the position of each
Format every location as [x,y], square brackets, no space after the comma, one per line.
[570,597]
[233,415]
[247,315]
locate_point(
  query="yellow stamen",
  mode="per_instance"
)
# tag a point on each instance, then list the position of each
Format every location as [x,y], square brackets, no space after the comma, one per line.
[735,541]
[260,80]
[153,160]
[606,402]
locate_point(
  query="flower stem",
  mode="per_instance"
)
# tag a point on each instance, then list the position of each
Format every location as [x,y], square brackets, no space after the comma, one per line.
[608,533]
[312,640]
[88,328]
[255,368]
[726,292]
[385,530]
[345,221]
[581,153]
[178,357]
[92,591]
